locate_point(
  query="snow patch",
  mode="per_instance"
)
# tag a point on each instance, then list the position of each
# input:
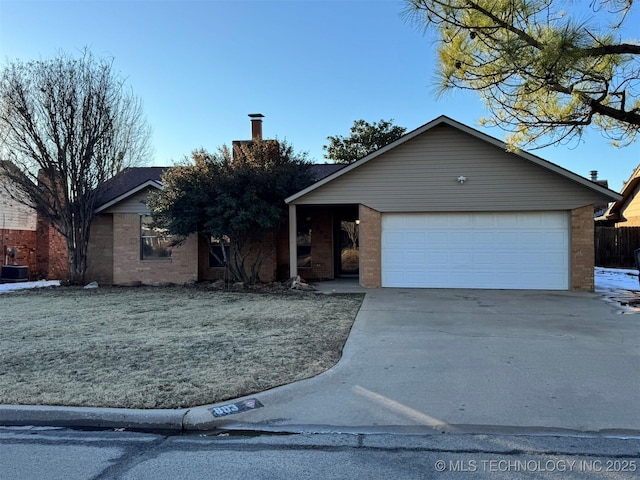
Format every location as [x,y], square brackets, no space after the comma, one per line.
[10,287]
[608,279]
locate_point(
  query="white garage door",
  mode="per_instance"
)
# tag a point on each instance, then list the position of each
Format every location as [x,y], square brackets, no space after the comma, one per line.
[528,250]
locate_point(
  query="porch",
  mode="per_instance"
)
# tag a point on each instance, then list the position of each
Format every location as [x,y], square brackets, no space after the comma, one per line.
[324,242]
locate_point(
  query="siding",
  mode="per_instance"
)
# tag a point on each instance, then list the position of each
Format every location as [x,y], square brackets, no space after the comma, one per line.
[631,212]
[14,215]
[420,175]
[135,204]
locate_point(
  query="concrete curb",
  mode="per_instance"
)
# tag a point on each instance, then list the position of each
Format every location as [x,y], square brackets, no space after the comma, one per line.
[86,417]
[168,420]
[199,419]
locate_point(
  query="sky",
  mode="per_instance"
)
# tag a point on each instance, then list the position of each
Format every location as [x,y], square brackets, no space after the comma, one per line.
[311,67]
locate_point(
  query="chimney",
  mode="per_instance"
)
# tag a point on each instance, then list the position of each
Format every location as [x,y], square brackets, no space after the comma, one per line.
[594,175]
[256,126]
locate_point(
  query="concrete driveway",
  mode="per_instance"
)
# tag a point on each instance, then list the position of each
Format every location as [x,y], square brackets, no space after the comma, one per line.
[470,360]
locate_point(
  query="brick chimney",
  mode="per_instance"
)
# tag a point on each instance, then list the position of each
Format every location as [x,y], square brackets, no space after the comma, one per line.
[256,126]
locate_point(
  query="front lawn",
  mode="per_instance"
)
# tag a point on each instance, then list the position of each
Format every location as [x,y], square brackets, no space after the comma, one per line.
[163,347]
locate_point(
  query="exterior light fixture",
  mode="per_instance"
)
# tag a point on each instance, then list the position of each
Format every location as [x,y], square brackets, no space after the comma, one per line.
[462,179]
[357,222]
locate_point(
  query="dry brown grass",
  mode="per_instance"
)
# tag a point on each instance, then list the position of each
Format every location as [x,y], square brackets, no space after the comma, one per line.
[163,347]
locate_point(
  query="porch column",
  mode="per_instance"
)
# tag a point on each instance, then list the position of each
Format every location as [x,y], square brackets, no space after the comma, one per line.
[293,241]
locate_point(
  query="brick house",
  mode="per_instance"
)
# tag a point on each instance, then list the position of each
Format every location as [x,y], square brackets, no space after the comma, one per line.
[445,206]
[28,239]
[123,249]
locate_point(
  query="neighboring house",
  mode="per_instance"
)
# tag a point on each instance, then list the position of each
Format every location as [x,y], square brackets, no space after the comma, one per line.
[17,227]
[446,206]
[28,239]
[625,212]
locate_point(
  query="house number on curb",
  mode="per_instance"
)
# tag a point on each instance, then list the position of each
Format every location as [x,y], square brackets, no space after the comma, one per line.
[231,408]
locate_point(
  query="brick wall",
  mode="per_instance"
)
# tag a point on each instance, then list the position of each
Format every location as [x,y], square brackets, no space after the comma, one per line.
[100,251]
[582,249]
[24,243]
[182,267]
[370,247]
[52,261]
[51,252]
[322,267]
[268,272]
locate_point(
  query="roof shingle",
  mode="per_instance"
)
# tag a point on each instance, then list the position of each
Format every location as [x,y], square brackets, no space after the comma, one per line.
[131,178]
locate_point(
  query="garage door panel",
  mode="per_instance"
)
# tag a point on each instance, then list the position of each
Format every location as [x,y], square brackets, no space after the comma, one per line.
[462,220]
[395,278]
[392,239]
[435,260]
[554,238]
[395,257]
[485,258]
[531,240]
[483,238]
[414,238]
[437,238]
[526,250]
[458,242]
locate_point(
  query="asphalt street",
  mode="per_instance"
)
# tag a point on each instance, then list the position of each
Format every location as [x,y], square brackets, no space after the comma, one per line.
[40,453]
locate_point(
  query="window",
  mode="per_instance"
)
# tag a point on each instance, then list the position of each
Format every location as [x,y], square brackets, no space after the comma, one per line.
[304,242]
[216,252]
[154,243]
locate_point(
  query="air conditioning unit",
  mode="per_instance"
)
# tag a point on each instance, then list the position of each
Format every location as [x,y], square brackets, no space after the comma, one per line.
[14,273]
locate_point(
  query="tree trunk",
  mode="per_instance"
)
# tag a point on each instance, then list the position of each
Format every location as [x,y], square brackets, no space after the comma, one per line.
[77,245]
[247,260]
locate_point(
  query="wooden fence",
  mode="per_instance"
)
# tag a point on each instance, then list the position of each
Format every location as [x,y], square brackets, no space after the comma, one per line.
[615,246]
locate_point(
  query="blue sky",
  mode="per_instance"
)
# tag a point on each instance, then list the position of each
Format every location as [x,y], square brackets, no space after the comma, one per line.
[311,67]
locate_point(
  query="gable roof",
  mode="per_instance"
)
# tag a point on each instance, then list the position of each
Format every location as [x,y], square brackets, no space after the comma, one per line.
[126,183]
[322,170]
[444,120]
[628,192]
[135,179]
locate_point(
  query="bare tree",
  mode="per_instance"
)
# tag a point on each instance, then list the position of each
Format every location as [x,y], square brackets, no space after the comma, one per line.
[67,125]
